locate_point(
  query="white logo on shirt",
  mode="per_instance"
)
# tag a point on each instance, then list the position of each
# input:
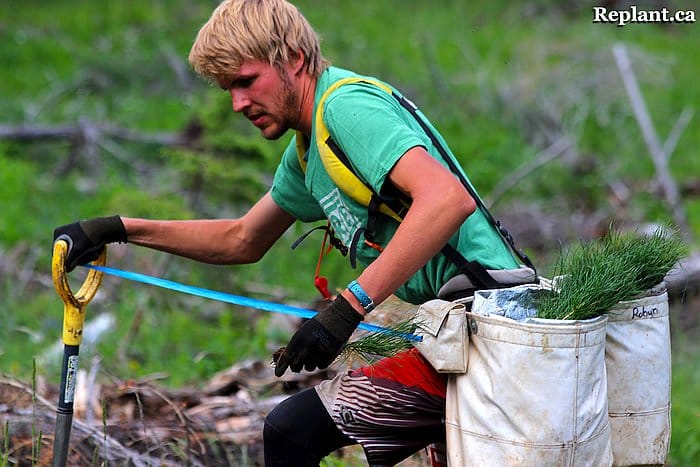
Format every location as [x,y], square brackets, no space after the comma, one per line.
[344,222]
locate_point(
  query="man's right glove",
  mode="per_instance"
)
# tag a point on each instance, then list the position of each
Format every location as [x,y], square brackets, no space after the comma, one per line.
[87,238]
[320,339]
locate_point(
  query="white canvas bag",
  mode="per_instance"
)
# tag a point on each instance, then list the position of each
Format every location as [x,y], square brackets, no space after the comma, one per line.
[535,393]
[638,361]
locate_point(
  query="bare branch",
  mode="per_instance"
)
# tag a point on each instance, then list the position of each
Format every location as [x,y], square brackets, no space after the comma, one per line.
[556,149]
[651,139]
[174,61]
[676,132]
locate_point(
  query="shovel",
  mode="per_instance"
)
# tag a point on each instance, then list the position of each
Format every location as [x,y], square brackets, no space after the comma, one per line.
[73,319]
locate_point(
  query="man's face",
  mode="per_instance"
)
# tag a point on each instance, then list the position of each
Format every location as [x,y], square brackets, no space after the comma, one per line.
[265,95]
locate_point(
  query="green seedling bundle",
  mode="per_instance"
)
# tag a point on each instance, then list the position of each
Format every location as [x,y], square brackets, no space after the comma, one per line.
[592,277]
[381,344]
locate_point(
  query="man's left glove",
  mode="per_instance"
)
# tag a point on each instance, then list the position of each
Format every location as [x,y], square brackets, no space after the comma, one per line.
[87,238]
[319,340]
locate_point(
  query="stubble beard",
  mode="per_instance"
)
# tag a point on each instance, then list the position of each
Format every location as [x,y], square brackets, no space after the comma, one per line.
[289,109]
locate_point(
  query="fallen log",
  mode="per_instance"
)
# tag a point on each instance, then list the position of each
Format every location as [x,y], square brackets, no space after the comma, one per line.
[86,130]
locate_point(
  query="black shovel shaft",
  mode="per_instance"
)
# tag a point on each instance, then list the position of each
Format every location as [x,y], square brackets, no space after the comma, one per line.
[62,439]
[64,414]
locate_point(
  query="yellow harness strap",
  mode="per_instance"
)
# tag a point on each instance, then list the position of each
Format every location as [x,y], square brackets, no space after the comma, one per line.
[339,173]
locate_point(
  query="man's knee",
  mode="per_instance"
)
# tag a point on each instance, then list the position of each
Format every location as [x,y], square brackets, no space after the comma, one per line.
[299,428]
[271,435]
[280,447]
[286,418]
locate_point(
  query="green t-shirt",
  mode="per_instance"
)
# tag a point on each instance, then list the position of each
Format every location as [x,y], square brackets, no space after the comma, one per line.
[374,131]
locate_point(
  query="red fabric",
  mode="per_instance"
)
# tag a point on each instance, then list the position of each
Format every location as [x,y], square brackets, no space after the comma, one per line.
[410,369]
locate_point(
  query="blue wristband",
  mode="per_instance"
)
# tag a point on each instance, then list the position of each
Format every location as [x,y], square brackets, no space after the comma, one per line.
[361,296]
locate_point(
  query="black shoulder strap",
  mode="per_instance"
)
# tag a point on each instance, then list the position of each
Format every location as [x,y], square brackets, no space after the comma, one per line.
[474,270]
[411,107]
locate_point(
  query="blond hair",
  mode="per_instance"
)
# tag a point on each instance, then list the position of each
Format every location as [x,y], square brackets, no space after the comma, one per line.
[267,30]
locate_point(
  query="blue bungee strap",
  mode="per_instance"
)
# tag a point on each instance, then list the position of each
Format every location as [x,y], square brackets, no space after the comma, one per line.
[235,299]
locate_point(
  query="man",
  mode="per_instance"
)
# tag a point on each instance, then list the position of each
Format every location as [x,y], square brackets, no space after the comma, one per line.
[267,57]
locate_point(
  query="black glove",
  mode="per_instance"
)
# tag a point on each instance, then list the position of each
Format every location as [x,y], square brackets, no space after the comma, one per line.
[87,238]
[319,340]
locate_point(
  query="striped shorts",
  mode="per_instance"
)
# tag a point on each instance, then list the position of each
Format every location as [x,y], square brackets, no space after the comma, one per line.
[392,408]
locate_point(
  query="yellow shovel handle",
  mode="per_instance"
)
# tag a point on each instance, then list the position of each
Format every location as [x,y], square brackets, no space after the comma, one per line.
[73,316]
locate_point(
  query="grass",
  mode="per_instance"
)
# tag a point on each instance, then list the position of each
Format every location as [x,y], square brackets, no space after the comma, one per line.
[685,403]
[36,435]
[5,459]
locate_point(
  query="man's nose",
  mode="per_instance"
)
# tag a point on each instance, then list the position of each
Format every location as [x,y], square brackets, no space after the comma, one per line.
[239,100]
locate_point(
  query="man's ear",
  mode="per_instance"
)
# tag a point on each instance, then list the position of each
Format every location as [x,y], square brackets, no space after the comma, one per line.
[297,60]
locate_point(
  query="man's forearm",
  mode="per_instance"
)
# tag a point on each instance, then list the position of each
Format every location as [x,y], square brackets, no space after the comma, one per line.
[219,241]
[419,238]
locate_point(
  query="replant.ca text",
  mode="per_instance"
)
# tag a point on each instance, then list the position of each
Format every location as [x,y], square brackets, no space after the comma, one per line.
[634,14]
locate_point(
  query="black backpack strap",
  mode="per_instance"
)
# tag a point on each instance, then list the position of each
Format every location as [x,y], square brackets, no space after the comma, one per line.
[475,271]
[332,239]
[413,110]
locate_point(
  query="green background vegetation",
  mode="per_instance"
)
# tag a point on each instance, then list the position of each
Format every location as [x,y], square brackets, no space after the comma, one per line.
[502,80]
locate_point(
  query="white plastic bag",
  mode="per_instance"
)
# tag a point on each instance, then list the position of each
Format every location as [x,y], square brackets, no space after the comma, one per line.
[535,393]
[638,361]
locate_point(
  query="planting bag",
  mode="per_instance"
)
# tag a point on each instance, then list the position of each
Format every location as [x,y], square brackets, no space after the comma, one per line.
[445,343]
[535,393]
[638,361]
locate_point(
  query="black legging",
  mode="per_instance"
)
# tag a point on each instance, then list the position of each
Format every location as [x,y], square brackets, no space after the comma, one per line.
[299,432]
